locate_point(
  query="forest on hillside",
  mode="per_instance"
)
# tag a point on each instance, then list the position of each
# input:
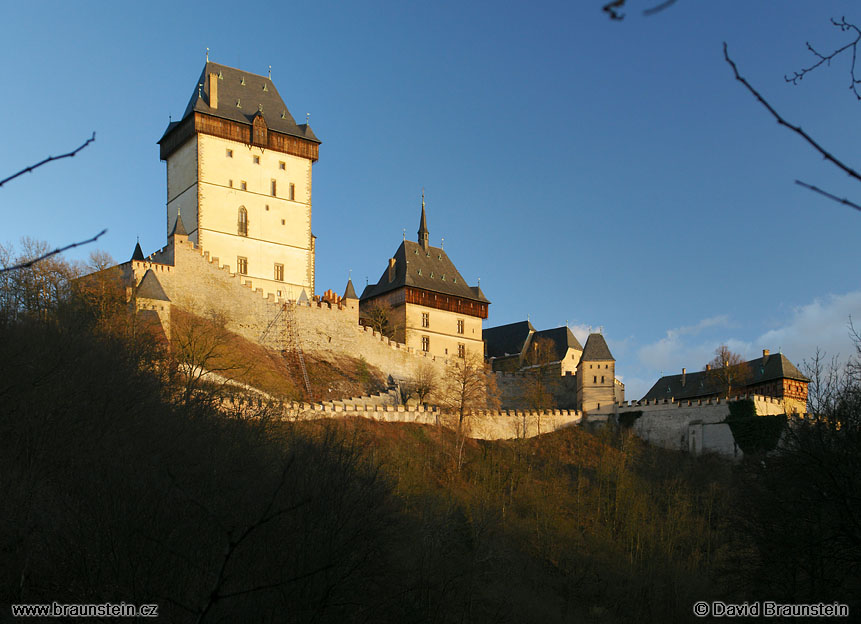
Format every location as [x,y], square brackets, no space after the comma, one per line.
[124,478]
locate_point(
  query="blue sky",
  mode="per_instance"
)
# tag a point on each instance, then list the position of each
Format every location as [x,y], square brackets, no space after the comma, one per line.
[607,174]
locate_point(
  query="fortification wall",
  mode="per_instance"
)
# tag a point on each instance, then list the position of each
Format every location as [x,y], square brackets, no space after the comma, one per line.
[514,387]
[200,284]
[697,426]
[484,425]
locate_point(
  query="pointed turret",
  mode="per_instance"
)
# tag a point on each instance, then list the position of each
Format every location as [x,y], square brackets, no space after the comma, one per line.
[138,252]
[349,291]
[178,227]
[423,227]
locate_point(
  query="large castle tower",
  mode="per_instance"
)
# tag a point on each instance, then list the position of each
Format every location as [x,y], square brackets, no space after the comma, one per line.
[239,174]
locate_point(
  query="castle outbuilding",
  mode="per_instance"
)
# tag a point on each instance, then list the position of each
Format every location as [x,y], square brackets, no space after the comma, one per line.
[515,345]
[769,376]
[430,306]
[239,173]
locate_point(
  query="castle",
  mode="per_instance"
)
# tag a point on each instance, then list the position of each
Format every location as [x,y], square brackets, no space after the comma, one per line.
[240,245]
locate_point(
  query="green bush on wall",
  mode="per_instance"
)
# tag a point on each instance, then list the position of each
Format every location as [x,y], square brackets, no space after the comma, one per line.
[752,433]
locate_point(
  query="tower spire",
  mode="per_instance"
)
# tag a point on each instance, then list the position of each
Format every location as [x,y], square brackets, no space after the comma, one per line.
[423,226]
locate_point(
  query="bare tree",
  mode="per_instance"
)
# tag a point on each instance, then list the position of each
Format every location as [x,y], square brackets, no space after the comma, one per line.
[468,386]
[539,383]
[728,371]
[380,317]
[422,383]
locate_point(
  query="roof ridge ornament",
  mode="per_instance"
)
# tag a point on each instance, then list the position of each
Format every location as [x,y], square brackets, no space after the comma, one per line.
[207,55]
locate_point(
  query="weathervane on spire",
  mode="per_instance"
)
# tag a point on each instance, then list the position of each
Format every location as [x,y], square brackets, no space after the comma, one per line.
[270,72]
[307,118]
[405,233]
[442,243]
[207,55]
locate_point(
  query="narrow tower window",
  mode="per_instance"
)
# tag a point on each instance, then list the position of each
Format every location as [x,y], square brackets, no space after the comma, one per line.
[460,326]
[242,265]
[274,188]
[279,272]
[292,192]
[461,350]
[243,221]
[425,344]
[425,319]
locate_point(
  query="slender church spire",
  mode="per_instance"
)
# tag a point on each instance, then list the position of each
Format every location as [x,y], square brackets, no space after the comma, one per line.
[423,226]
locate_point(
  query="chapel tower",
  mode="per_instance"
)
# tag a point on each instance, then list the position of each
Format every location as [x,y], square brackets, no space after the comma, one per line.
[239,174]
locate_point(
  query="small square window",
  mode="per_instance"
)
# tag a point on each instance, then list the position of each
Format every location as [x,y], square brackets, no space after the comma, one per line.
[257,160]
[243,185]
[267,207]
[282,222]
[230,153]
[282,165]
[230,183]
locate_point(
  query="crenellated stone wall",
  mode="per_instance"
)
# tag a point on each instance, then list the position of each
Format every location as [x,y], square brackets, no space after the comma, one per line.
[203,285]
[696,426]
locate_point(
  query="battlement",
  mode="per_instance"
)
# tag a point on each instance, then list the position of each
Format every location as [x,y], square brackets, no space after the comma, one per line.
[651,404]
[482,424]
[196,281]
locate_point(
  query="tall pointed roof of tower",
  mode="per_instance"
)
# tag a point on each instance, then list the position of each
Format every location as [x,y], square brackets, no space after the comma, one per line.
[178,227]
[241,95]
[423,226]
[596,349]
[138,252]
[349,291]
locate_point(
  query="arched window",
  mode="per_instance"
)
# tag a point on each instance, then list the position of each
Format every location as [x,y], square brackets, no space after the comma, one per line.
[243,221]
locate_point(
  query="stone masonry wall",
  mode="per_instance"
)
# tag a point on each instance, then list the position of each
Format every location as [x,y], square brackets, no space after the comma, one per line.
[200,284]
[483,425]
[697,426]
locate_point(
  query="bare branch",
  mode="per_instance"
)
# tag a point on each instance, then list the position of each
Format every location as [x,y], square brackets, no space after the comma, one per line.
[666,4]
[844,26]
[839,200]
[612,9]
[59,250]
[780,120]
[47,160]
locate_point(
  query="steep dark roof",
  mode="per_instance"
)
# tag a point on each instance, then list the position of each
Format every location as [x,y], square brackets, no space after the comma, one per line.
[562,339]
[150,288]
[507,339]
[700,383]
[251,92]
[596,349]
[430,270]
[178,227]
[138,252]
[349,291]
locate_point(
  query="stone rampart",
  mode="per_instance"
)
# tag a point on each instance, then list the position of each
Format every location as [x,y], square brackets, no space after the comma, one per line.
[203,285]
[696,426]
[482,425]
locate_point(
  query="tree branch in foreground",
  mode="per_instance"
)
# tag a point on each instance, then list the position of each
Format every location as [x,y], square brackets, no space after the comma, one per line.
[827,58]
[781,121]
[49,159]
[33,261]
[612,8]
[839,200]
